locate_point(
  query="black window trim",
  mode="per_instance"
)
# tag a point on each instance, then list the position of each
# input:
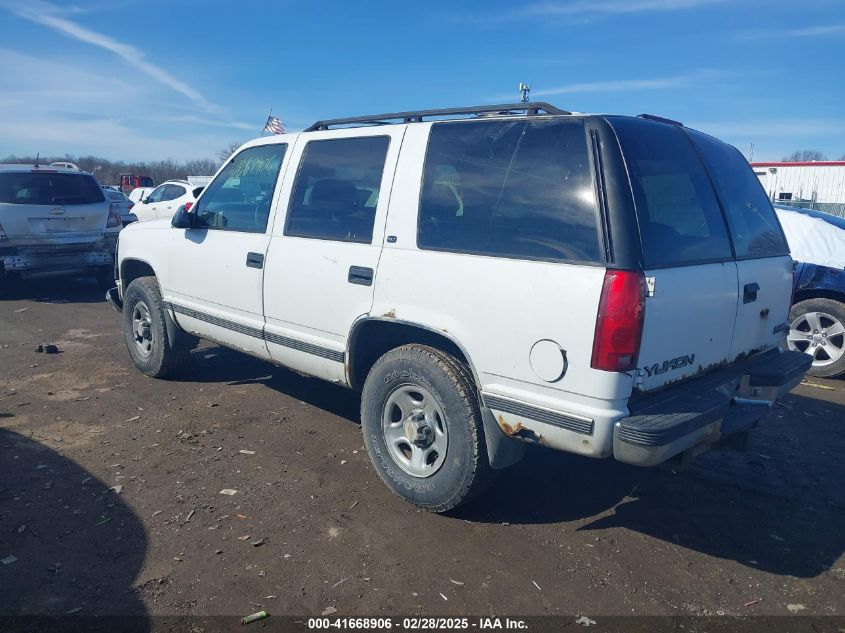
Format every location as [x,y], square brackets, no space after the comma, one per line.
[289,206]
[551,260]
[268,226]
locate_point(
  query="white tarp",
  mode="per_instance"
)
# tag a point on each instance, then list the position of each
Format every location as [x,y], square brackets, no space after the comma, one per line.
[813,240]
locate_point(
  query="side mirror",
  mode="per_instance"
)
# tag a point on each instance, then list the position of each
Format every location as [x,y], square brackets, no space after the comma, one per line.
[183,219]
[144,200]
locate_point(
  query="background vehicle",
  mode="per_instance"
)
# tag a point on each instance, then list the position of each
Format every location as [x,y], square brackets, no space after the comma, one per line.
[128,182]
[602,285]
[163,201]
[121,204]
[55,221]
[817,318]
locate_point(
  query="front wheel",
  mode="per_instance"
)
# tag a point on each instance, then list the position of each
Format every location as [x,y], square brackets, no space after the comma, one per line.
[422,427]
[817,327]
[145,330]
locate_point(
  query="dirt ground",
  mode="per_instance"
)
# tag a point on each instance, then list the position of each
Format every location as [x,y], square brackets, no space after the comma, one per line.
[110,500]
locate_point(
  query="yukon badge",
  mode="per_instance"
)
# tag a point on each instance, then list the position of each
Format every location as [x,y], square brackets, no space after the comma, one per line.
[666,365]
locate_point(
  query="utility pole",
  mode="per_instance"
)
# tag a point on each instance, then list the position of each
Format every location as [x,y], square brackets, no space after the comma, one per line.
[524,89]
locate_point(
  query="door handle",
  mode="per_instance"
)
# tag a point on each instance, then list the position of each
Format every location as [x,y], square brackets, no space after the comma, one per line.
[254,260]
[749,292]
[360,276]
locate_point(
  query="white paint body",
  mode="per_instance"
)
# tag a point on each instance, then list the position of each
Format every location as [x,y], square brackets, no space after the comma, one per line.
[495,309]
[166,207]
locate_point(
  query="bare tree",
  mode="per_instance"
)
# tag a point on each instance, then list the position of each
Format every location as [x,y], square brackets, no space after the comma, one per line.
[202,167]
[225,152]
[804,156]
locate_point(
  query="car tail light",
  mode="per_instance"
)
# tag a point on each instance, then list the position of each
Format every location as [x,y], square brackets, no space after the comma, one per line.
[131,204]
[619,324]
[188,206]
[114,218]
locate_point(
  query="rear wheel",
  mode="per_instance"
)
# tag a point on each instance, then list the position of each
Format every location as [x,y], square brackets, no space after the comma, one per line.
[422,427]
[146,333]
[817,327]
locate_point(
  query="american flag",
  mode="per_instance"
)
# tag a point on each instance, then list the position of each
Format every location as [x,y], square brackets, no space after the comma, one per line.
[274,125]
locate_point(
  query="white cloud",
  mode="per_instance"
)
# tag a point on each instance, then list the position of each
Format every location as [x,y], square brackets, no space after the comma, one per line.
[585,9]
[623,85]
[806,31]
[51,16]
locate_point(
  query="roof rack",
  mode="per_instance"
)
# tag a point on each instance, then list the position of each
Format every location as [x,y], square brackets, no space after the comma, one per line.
[529,109]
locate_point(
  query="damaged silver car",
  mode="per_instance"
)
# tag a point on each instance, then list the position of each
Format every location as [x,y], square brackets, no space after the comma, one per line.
[55,221]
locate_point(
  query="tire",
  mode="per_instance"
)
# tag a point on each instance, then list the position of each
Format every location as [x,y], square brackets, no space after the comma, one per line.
[416,386]
[817,327]
[105,277]
[145,331]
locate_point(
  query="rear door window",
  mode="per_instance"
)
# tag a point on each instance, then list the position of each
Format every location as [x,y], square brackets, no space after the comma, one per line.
[754,227]
[519,189]
[337,189]
[677,210]
[49,188]
[171,192]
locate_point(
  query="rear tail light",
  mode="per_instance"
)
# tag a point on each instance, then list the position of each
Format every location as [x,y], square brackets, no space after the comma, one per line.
[188,206]
[131,204]
[619,324]
[114,218]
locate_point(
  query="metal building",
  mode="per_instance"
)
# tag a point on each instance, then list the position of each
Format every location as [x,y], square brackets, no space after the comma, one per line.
[815,185]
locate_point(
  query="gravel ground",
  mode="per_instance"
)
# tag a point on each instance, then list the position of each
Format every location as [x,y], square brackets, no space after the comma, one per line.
[111,503]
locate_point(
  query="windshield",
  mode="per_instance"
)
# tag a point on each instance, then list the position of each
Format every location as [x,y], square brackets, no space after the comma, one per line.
[49,188]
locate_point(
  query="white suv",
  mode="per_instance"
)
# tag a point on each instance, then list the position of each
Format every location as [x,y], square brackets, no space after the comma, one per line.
[603,285]
[163,201]
[55,221]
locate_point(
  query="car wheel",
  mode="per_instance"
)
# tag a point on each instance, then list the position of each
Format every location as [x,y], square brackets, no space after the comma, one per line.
[145,330]
[422,427]
[817,327]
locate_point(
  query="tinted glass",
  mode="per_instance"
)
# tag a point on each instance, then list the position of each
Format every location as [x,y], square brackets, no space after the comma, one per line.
[157,195]
[171,192]
[239,197]
[337,189]
[116,196]
[520,189]
[677,210]
[754,228]
[49,188]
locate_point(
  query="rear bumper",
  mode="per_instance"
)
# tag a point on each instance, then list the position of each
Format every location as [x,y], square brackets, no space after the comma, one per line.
[37,264]
[706,410]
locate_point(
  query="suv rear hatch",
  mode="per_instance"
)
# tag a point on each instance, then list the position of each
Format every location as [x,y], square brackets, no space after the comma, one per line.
[43,206]
[718,271]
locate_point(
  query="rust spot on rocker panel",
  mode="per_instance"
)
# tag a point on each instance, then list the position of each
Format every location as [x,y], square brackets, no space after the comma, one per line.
[519,431]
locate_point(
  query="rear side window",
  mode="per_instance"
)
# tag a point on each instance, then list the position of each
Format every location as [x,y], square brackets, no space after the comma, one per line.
[677,210]
[337,189]
[49,188]
[171,192]
[520,189]
[754,228]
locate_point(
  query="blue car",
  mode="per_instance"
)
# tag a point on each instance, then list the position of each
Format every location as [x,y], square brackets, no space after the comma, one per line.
[817,317]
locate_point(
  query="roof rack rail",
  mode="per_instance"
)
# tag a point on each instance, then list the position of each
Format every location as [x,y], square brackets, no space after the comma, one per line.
[416,116]
[659,119]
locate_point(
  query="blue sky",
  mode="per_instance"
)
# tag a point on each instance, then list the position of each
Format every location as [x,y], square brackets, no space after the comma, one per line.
[151,79]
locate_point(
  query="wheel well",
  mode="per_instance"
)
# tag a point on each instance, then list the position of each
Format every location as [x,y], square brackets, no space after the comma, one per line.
[374,337]
[132,269]
[817,293]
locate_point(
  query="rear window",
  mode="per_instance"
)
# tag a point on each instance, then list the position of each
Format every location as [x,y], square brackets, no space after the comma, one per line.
[519,189]
[49,188]
[677,210]
[754,227]
[115,196]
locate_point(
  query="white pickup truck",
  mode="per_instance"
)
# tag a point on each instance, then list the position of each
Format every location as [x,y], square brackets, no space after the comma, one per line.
[603,285]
